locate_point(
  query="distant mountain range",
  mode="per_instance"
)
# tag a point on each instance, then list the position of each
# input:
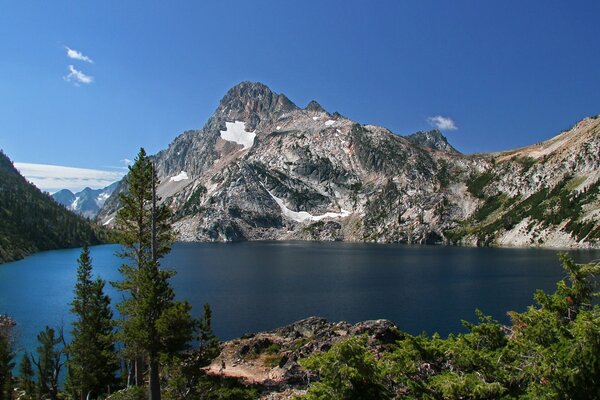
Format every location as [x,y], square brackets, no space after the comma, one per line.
[31,221]
[86,202]
[263,168]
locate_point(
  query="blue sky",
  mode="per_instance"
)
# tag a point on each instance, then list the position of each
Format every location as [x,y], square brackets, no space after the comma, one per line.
[507,73]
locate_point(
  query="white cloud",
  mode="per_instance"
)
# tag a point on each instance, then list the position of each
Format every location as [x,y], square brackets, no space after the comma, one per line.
[77,55]
[78,77]
[442,123]
[52,178]
[127,161]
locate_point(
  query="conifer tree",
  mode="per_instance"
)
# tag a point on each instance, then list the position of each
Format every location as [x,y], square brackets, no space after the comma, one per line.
[208,342]
[6,365]
[92,360]
[49,362]
[26,375]
[153,322]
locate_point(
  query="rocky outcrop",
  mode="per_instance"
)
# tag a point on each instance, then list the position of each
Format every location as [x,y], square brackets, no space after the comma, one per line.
[264,169]
[270,359]
[432,140]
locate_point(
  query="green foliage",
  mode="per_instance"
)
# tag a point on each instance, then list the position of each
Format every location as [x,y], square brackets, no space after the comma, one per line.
[477,185]
[130,393]
[6,365]
[32,221]
[551,351]
[26,374]
[217,388]
[442,174]
[548,206]
[192,205]
[49,362]
[154,324]
[491,204]
[208,343]
[347,371]
[526,163]
[184,373]
[93,362]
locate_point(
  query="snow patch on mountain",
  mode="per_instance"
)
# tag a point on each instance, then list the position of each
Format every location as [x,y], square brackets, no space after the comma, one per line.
[179,177]
[236,132]
[303,216]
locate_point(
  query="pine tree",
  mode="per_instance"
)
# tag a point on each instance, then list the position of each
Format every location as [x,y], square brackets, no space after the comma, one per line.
[6,365]
[49,362]
[208,342]
[92,360]
[26,375]
[153,322]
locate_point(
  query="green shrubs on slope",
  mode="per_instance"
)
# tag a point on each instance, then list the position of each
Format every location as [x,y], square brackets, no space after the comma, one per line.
[550,351]
[548,206]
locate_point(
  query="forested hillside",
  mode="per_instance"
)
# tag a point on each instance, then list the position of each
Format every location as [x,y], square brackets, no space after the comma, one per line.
[31,221]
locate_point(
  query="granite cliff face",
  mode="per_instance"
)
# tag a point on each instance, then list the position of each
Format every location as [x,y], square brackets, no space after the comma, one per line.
[264,169]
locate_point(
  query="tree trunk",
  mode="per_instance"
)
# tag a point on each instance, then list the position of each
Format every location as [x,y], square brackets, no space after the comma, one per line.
[139,371]
[154,386]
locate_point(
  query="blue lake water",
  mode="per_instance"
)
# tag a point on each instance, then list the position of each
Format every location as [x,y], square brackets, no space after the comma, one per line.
[260,286]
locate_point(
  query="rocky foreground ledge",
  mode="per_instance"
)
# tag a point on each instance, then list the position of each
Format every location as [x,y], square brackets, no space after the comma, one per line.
[270,359]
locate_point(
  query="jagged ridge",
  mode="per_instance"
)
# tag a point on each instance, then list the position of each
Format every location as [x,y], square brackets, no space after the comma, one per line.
[308,174]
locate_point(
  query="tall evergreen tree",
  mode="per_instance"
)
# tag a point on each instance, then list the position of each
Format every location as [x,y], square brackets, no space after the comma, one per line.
[49,362]
[92,360]
[6,365]
[26,375]
[208,342]
[154,323]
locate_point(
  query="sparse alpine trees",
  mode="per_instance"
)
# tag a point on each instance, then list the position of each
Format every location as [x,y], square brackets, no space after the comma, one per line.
[92,362]
[49,362]
[153,323]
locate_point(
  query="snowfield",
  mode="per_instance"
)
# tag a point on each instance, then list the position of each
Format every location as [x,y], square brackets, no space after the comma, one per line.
[179,177]
[303,216]
[236,132]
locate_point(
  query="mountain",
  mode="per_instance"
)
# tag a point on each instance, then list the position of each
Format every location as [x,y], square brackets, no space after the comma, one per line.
[87,202]
[64,197]
[31,221]
[263,168]
[432,139]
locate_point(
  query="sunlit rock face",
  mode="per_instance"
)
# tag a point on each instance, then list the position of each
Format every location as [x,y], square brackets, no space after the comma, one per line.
[264,169]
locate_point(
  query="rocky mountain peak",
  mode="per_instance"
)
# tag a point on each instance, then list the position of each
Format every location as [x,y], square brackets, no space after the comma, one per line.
[433,139]
[315,107]
[253,101]
[264,169]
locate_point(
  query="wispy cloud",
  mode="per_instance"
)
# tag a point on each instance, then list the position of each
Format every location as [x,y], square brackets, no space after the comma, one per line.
[52,178]
[77,55]
[78,77]
[127,162]
[442,123]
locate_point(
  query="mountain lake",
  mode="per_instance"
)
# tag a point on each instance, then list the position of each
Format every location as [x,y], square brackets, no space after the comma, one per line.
[259,286]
